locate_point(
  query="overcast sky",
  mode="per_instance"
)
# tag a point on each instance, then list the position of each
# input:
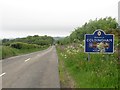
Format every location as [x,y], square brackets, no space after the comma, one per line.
[21,18]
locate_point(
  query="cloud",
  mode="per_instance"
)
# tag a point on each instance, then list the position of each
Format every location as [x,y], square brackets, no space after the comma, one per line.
[52,17]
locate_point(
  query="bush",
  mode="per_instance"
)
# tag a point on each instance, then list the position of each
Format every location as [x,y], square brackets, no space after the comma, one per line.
[19,49]
[8,52]
[20,45]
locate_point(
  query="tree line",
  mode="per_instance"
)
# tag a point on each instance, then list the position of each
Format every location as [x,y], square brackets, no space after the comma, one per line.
[108,24]
[36,39]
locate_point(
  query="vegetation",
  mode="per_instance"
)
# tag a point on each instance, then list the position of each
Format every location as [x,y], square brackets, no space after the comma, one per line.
[100,72]
[39,40]
[18,46]
[107,24]
[102,69]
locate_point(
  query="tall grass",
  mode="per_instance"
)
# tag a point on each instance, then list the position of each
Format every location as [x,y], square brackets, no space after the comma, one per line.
[100,72]
[8,52]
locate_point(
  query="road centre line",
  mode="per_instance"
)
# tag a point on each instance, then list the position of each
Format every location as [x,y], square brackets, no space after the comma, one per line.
[27,59]
[2,74]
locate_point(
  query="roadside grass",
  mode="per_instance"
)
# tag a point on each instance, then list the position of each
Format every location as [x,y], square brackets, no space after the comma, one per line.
[100,72]
[8,51]
[65,80]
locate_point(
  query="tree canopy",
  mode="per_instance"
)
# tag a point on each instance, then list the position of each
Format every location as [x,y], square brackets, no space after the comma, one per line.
[108,24]
[36,39]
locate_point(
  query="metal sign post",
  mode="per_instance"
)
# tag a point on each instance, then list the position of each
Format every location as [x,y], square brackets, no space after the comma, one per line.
[88,57]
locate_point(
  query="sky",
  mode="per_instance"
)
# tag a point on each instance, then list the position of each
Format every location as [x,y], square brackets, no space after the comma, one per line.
[119,13]
[20,18]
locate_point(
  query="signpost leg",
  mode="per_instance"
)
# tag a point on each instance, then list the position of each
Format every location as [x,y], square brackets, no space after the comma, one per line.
[88,56]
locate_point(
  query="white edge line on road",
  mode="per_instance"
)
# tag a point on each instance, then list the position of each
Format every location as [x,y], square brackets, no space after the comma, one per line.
[2,74]
[27,59]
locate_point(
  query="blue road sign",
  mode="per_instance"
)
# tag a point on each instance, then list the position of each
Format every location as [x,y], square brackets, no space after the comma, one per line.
[99,41]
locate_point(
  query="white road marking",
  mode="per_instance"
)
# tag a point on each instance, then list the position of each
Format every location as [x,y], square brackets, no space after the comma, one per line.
[27,59]
[2,74]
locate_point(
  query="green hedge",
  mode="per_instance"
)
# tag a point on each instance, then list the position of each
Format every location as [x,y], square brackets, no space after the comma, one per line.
[20,45]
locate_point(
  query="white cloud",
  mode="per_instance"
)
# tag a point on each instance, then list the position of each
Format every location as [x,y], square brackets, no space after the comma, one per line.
[39,16]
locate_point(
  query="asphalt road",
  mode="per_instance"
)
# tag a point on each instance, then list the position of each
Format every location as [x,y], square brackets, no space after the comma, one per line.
[34,70]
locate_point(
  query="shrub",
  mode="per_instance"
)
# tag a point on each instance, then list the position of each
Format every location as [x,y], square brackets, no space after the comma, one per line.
[8,52]
[20,45]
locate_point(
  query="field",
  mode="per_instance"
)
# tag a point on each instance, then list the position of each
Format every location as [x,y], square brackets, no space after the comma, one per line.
[99,72]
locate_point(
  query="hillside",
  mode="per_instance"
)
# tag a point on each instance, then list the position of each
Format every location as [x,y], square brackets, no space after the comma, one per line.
[18,46]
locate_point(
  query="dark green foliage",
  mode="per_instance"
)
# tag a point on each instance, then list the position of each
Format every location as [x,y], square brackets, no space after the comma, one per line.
[39,40]
[5,40]
[20,45]
[108,24]
[8,51]
[12,47]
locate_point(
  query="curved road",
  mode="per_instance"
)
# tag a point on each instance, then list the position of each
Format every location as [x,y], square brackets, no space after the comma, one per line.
[34,70]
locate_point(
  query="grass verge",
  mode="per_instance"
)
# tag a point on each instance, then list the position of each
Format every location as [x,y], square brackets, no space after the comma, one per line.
[9,51]
[100,72]
[66,80]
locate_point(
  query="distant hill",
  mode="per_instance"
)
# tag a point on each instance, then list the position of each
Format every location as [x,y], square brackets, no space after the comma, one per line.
[58,38]
[36,39]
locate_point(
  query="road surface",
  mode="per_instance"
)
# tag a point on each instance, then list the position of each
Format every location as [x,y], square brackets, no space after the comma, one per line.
[34,70]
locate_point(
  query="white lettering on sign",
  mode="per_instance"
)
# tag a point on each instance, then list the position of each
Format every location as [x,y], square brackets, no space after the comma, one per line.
[99,40]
